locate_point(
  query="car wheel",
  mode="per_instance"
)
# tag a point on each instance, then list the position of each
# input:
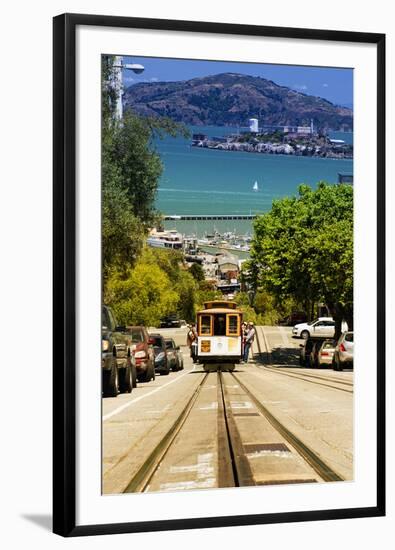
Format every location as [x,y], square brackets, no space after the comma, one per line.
[146,376]
[125,379]
[110,380]
[304,334]
[134,375]
[166,372]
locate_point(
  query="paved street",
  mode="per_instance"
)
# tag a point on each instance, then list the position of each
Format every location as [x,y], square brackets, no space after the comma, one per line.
[269,422]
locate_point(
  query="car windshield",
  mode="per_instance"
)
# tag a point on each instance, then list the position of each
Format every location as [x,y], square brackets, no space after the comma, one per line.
[137,336]
[328,345]
[312,322]
[157,341]
[169,344]
[349,337]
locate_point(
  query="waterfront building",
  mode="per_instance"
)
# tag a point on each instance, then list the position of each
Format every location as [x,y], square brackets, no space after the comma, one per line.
[253,124]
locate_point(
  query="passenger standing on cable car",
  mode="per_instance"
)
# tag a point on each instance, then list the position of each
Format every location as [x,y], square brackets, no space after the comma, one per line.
[243,336]
[192,341]
[250,337]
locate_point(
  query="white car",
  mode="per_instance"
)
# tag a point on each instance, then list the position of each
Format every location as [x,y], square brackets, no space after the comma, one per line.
[323,327]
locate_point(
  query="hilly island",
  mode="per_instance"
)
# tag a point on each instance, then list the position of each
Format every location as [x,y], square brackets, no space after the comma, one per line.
[230,99]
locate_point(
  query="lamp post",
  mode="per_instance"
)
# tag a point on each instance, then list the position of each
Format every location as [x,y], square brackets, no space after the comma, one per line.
[119,65]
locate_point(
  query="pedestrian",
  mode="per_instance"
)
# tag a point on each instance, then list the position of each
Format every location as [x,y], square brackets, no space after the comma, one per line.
[243,336]
[192,341]
[249,340]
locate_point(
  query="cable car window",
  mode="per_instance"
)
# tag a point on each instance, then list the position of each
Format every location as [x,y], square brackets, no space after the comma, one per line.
[205,324]
[220,325]
[233,325]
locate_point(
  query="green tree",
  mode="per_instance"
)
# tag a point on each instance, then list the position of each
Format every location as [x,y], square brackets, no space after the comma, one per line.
[131,169]
[197,272]
[186,289]
[303,249]
[144,297]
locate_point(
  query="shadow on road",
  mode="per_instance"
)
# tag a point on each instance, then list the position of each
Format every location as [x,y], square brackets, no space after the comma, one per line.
[279,357]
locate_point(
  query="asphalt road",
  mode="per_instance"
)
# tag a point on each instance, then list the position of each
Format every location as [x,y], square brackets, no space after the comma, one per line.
[269,422]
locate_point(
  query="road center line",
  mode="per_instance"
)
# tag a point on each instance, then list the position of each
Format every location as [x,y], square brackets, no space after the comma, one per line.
[131,402]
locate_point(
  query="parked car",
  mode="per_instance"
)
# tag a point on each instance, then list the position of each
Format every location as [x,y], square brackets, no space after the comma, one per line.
[160,353]
[174,355]
[325,353]
[142,352]
[344,351]
[323,327]
[180,359]
[307,351]
[118,364]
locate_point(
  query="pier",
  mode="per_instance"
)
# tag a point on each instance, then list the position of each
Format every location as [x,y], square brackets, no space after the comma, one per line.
[209,217]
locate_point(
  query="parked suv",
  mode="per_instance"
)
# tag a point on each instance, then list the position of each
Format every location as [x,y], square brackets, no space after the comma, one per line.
[142,352]
[160,352]
[323,327]
[118,366]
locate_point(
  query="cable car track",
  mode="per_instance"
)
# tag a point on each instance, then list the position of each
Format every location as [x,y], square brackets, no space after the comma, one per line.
[306,377]
[143,476]
[312,458]
[234,467]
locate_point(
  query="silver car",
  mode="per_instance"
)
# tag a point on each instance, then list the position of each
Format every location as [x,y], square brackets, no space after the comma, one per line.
[344,352]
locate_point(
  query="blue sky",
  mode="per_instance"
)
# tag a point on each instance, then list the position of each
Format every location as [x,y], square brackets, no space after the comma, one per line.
[333,84]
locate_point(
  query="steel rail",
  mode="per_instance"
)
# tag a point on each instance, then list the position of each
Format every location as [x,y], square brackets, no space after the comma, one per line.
[318,465]
[143,476]
[242,473]
[302,376]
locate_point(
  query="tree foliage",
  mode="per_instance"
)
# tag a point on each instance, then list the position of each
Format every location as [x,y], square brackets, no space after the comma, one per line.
[144,297]
[131,169]
[197,272]
[303,249]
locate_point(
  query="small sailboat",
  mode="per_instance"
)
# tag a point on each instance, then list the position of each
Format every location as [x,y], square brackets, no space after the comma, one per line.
[255,186]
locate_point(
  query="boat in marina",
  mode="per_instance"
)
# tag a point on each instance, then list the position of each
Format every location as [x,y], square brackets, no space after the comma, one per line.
[255,186]
[165,239]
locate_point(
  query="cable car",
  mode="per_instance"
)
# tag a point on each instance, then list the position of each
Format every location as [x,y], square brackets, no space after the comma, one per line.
[219,335]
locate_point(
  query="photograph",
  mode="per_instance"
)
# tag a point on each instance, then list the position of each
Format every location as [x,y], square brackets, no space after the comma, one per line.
[227,257]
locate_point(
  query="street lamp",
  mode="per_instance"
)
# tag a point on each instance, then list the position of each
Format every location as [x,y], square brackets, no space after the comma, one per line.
[119,65]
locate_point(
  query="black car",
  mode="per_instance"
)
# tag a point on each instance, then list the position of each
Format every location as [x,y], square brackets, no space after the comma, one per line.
[162,365]
[118,366]
[174,356]
[171,321]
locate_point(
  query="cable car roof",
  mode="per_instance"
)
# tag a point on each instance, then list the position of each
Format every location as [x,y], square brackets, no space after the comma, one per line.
[219,310]
[223,304]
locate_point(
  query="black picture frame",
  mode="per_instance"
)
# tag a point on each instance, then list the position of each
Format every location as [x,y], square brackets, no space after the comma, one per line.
[64,272]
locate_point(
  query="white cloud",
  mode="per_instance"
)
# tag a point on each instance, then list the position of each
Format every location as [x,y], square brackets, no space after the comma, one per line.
[301,87]
[154,79]
[325,85]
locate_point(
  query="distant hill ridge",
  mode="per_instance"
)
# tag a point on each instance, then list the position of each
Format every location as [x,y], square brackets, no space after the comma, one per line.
[231,99]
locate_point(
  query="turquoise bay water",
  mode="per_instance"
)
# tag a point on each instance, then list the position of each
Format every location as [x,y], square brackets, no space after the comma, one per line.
[204,181]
